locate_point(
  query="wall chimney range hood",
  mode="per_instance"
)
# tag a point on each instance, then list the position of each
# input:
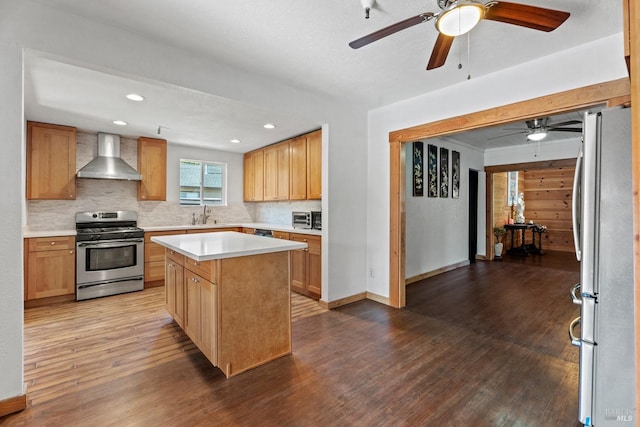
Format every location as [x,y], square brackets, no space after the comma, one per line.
[108,164]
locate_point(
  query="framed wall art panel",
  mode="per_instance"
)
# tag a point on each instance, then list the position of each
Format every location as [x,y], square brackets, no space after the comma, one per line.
[418,169]
[432,171]
[444,172]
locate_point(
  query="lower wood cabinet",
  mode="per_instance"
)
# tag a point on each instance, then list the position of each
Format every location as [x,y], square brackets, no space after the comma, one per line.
[306,266]
[154,268]
[50,267]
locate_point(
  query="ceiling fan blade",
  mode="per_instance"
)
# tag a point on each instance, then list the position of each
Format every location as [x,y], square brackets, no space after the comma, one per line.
[537,18]
[567,123]
[391,29]
[565,129]
[440,51]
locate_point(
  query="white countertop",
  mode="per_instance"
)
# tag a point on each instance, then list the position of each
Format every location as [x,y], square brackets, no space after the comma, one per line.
[27,233]
[224,244]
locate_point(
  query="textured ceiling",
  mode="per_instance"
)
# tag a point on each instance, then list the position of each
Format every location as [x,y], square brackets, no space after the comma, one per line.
[304,44]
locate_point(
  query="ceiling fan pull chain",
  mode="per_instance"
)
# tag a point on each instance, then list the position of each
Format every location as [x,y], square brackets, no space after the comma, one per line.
[469,55]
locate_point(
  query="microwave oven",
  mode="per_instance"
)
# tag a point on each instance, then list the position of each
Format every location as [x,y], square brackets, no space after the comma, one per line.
[307,219]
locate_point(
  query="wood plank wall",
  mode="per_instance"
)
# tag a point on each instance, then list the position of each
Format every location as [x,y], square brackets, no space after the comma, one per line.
[501,212]
[547,197]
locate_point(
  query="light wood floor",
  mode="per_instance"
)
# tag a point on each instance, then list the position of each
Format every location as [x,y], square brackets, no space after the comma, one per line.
[483,345]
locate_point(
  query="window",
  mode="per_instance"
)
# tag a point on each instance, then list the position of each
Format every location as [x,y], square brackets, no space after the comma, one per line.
[512,198]
[202,183]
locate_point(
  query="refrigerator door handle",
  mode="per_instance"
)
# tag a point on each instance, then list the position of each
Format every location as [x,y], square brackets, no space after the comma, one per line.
[574,297]
[575,341]
[575,205]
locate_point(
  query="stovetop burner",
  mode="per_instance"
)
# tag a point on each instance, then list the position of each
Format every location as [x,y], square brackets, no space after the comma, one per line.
[107,230]
[107,225]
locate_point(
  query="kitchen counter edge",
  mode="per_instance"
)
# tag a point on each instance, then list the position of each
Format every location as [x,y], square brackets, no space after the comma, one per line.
[284,228]
[224,245]
[30,234]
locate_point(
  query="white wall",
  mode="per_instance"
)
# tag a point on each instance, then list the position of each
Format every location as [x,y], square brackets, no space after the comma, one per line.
[24,25]
[437,232]
[12,207]
[596,62]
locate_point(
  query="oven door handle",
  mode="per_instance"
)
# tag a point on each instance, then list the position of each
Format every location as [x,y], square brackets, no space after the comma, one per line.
[109,244]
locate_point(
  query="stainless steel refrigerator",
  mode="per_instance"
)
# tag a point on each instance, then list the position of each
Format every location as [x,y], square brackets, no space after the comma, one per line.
[603,235]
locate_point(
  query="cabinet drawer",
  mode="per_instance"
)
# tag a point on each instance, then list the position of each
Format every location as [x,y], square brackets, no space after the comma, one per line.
[212,230]
[281,235]
[149,234]
[174,256]
[311,240]
[52,243]
[203,268]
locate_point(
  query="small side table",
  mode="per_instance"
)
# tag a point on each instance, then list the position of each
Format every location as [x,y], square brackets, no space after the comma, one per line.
[526,248]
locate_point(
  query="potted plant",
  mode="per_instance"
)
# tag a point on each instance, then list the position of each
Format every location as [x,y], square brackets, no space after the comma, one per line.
[498,232]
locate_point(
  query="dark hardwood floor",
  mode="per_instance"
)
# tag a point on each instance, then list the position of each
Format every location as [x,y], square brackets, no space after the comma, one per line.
[484,345]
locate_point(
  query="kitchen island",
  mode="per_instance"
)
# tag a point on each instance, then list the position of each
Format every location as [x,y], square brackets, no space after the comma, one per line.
[230,293]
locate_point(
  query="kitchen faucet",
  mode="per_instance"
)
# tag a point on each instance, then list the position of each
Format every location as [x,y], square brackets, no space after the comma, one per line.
[205,216]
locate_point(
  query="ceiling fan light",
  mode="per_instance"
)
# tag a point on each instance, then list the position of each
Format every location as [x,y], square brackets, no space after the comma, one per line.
[536,136]
[460,18]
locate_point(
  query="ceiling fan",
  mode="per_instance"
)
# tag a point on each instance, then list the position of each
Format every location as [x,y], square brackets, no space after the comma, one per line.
[460,16]
[537,129]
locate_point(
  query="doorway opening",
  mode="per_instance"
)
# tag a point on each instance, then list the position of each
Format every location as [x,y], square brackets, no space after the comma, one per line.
[473,215]
[613,93]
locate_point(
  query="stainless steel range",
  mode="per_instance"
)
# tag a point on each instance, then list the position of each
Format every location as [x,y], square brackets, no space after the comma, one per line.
[110,254]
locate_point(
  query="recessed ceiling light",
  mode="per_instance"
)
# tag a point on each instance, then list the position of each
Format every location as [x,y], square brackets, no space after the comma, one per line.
[119,123]
[235,141]
[269,126]
[135,97]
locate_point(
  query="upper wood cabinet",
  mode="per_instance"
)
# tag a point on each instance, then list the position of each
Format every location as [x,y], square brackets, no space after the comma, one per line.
[288,170]
[152,165]
[314,165]
[298,168]
[254,176]
[276,171]
[51,161]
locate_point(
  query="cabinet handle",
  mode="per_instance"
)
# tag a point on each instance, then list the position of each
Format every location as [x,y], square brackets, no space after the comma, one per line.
[71,196]
[304,240]
[70,252]
[53,243]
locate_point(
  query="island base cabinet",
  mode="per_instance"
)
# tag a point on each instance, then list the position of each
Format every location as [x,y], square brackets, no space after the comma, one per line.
[237,310]
[201,318]
[175,290]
